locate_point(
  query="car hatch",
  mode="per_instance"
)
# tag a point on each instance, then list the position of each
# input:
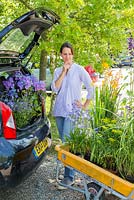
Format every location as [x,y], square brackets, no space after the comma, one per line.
[19,37]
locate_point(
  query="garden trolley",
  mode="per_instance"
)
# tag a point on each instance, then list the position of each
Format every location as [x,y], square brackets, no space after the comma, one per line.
[96,180]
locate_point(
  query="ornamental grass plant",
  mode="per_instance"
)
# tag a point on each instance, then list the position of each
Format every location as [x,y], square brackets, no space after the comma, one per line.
[112,146]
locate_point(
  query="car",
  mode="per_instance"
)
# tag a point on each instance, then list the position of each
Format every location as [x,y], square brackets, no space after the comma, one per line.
[126,61]
[25,130]
[92,73]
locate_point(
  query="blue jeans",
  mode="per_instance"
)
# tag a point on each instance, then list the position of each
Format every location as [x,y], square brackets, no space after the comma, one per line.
[65,126]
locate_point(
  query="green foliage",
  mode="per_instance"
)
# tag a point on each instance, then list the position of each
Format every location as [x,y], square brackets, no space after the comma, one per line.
[9,11]
[105,144]
[79,142]
[110,139]
[107,98]
[28,109]
[98,31]
[125,158]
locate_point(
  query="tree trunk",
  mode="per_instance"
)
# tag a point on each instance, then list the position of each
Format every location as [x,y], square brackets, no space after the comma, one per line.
[43,65]
[52,67]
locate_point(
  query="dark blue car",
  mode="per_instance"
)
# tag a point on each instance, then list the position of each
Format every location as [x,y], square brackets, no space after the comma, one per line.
[25,135]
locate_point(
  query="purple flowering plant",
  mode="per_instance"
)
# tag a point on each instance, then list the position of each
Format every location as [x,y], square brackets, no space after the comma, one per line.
[131,45]
[22,93]
[79,140]
[79,117]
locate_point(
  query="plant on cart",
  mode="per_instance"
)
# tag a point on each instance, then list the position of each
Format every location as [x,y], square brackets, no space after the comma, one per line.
[80,136]
[105,144]
[107,98]
[107,137]
[125,154]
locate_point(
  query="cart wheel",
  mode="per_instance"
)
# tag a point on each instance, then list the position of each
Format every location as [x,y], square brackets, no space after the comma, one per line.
[93,189]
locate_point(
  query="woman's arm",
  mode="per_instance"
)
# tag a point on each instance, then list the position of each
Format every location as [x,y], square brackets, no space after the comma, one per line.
[65,69]
[59,80]
[85,78]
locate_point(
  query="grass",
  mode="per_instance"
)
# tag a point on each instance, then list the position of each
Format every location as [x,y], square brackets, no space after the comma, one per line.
[54,131]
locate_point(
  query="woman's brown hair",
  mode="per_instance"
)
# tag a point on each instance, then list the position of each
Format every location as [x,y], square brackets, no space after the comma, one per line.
[68,45]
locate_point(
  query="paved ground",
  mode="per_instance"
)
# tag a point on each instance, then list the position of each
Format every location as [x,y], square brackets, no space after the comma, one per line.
[42,186]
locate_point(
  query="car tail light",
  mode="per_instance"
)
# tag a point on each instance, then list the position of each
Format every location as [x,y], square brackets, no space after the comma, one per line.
[8,124]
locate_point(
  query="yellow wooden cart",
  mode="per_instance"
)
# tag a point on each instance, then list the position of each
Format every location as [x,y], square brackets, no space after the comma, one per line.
[96,179]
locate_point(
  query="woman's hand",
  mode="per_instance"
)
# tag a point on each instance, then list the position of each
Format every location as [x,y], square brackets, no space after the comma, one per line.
[66,67]
[78,104]
[58,82]
[83,106]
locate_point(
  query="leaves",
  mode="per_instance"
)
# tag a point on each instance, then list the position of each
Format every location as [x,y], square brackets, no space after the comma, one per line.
[93,28]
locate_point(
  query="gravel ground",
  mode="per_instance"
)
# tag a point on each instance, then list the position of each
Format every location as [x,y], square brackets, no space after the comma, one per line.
[42,186]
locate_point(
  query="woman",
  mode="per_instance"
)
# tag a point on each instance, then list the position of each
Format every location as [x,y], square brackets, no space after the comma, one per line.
[67,84]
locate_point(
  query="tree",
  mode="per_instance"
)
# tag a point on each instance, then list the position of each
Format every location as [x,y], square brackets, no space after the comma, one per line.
[97,30]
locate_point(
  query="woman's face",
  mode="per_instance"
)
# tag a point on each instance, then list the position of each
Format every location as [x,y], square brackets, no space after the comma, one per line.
[67,55]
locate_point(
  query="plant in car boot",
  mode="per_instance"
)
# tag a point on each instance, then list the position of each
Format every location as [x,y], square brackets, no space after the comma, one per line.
[23,95]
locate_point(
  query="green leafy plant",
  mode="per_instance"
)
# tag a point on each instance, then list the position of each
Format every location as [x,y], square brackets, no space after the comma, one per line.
[112,147]
[107,98]
[125,154]
[105,143]
[79,140]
